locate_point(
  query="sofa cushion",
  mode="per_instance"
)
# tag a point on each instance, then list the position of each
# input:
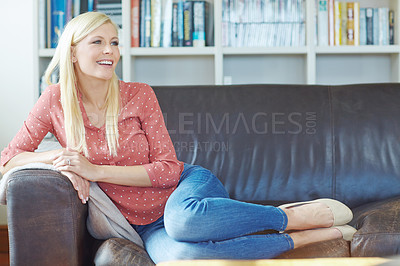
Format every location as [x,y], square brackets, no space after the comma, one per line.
[118,251]
[378,229]
[325,249]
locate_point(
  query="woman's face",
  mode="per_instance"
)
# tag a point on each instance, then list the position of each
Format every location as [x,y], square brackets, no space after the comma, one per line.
[97,55]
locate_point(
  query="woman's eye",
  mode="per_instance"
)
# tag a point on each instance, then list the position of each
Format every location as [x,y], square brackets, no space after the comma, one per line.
[97,42]
[115,43]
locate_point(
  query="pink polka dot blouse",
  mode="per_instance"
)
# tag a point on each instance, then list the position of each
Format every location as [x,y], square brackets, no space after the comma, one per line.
[143,140]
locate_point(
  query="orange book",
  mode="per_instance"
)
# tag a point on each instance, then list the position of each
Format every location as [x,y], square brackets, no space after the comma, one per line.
[135,23]
[350,23]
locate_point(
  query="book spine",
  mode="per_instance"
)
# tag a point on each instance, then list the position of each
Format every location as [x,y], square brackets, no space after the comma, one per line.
[42,24]
[58,13]
[343,6]
[350,23]
[391,27]
[84,6]
[155,23]
[135,23]
[147,20]
[331,22]
[383,26]
[199,31]
[188,24]
[363,27]
[175,41]
[142,31]
[322,22]
[166,23]
[338,23]
[180,23]
[356,6]
[369,20]
[209,23]
[90,5]
[376,26]
[77,7]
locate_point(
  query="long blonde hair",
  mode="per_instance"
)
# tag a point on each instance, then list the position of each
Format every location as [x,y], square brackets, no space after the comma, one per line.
[76,30]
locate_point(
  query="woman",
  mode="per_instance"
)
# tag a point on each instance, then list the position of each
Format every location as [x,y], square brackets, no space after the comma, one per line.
[113,133]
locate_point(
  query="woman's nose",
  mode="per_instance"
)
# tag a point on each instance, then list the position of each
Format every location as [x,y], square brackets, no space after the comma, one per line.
[107,49]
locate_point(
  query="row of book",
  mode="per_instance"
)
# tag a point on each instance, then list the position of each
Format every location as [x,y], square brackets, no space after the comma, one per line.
[345,23]
[54,15]
[164,23]
[263,23]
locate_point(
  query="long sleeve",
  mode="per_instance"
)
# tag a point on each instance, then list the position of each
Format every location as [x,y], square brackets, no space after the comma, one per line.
[164,169]
[33,130]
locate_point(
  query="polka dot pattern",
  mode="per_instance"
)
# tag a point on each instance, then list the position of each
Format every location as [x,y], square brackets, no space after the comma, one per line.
[143,140]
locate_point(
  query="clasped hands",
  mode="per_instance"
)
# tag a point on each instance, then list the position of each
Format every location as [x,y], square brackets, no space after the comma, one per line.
[77,168]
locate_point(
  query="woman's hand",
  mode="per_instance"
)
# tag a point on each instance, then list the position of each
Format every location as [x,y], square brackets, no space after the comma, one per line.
[72,161]
[81,185]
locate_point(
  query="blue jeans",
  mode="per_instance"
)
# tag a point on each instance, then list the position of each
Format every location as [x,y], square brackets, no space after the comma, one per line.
[201,222]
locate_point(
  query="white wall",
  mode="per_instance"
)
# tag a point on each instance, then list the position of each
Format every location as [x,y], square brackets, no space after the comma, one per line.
[16,65]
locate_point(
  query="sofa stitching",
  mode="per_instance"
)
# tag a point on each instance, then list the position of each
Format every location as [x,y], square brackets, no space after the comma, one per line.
[333,159]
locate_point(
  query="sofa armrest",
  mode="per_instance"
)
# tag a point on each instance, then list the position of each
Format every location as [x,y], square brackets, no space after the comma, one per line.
[46,220]
[378,229]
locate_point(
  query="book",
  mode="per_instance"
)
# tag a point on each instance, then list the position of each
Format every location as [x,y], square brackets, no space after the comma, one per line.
[331,22]
[147,22]
[383,25]
[391,27]
[322,22]
[199,24]
[369,17]
[175,41]
[42,24]
[58,20]
[112,8]
[142,30]
[180,22]
[356,6]
[350,23]
[209,23]
[343,8]
[135,23]
[166,23]
[155,23]
[375,26]
[187,23]
[363,27]
[338,23]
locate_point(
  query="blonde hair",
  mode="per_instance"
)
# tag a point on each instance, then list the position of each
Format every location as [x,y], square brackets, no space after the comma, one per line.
[76,30]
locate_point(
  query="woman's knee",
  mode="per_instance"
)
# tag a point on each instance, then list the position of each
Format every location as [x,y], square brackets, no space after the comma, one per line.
[180,222]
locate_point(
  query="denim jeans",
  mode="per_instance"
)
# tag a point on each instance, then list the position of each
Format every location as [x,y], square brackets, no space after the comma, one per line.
[201,222]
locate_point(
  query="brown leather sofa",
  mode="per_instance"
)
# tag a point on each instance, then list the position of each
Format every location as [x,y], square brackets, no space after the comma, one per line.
[268,144]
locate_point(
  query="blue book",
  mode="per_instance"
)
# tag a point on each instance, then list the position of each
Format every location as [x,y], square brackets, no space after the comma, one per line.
[180,23]
[90,5]
[58,20]
[363,27]
[142,16]
[375,27]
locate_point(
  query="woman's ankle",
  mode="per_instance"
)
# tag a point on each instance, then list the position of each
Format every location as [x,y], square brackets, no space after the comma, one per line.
[302,238]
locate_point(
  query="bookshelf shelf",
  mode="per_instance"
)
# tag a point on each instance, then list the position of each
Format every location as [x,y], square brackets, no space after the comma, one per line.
[46,52]
[172,51]
[362,49]
[307,64]
[263,50]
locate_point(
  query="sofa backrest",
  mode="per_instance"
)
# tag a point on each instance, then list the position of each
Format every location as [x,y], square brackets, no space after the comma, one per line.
[271,143]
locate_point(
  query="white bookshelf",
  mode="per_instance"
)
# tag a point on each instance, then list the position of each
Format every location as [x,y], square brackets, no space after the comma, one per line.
[309,64]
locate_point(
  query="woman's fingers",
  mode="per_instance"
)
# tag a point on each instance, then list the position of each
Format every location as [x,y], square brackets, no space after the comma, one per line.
[81,185]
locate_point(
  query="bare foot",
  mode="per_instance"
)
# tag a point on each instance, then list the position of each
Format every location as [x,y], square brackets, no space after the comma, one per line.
[302,238]
[308,216]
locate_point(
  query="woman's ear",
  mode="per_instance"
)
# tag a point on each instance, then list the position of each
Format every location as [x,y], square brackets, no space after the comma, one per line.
[73,57]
